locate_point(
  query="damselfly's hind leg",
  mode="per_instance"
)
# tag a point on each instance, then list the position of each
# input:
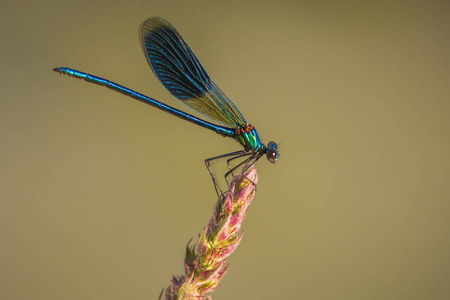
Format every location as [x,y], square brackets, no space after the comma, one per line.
[208,161]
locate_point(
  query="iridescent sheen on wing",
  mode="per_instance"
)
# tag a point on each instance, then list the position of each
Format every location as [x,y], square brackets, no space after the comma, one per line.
[179,70]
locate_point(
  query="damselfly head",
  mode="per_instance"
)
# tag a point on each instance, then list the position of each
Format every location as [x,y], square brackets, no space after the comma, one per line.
[272,152]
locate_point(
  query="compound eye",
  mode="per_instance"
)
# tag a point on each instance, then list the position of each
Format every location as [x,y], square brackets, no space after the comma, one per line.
[272,155]
[272,152]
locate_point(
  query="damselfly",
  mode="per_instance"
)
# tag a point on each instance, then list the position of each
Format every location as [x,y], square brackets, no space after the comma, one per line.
[179,70]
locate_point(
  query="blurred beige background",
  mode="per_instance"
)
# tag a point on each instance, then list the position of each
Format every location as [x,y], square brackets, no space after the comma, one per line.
[100,193]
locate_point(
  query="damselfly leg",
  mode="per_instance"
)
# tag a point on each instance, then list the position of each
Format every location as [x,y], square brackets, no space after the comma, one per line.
[232,156]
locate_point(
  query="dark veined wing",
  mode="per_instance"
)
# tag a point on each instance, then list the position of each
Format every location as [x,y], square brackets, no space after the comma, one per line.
[178,69]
